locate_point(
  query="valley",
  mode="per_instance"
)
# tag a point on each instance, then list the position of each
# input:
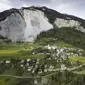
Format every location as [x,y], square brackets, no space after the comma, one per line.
[35,62]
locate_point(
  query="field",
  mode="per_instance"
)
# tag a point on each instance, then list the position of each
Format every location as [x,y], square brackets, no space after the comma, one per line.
[77,59]
[19,51]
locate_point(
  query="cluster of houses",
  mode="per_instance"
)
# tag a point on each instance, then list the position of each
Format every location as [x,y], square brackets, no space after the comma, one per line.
[34,65]
[31,66]
[68,51]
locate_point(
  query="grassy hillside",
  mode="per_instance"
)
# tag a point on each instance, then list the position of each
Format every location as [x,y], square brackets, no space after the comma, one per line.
[67,35]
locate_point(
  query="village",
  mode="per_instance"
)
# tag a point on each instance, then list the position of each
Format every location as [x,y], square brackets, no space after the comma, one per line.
[53,60]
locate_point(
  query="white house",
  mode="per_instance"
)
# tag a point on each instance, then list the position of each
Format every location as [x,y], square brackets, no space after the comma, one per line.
[35,82]
[33,71]
[27,64]
[22,65]
[7,62]
[40,72]
[48,47]
[29,69]
[28,60]
[45,70]
[22,61]
[63,67]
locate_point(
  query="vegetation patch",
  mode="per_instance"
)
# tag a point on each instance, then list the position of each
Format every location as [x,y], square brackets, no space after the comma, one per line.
[67,35]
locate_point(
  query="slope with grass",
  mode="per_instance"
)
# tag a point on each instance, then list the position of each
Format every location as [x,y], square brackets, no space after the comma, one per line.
[66,35]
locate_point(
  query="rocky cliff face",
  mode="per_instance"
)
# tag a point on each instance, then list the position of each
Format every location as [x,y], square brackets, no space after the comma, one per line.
[26,23]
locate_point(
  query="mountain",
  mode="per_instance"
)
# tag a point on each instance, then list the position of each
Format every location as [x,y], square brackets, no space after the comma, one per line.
[56,56]
[27,23]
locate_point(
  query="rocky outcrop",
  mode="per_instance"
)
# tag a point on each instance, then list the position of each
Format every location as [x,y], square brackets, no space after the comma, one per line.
[26,23]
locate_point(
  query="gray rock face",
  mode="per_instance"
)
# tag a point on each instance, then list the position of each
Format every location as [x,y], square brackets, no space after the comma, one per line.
[26,24]
[13,27]
[25,29]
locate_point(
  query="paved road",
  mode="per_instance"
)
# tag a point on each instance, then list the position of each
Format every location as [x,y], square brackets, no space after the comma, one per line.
[75,67]
[19,77]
